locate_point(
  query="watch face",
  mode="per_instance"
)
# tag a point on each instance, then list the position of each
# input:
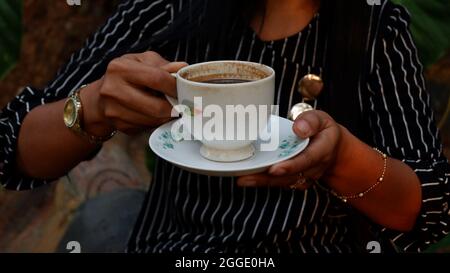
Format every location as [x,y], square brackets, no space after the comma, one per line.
[70,113]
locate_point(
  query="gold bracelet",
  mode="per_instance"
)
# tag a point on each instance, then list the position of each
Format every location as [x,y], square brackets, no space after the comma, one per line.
[345,198]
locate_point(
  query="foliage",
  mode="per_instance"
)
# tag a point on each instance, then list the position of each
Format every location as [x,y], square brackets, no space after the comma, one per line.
[11,34]
[430,27]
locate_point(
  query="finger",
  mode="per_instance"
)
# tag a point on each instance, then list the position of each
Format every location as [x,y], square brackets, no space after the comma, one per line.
[266,180]
[298,164]
[315,173]
[174,66]
[310,123]
[114,110]
[133,131]
[131,128]
[319,151]
[140,74]
[325,133]
[154,59]
[140,101]
[150,58]
[125,126]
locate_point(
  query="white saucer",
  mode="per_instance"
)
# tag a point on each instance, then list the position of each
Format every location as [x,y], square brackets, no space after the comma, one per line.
[186,154]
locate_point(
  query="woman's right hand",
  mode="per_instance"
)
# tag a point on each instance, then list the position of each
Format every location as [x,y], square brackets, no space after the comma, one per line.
[130,96]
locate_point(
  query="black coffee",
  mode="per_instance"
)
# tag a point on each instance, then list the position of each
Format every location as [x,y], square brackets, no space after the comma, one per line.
[225,81]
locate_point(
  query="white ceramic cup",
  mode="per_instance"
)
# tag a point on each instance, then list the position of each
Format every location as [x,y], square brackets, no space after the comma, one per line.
[256,92]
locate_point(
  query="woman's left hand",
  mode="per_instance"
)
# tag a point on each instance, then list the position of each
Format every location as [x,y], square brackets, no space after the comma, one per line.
[311,164]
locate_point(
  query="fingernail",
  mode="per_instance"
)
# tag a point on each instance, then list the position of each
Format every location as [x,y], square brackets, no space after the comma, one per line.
[303,127]
[277,171]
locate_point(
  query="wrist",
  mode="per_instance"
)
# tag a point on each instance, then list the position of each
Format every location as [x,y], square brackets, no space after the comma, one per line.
[345,153]
[94,121]
[354,159]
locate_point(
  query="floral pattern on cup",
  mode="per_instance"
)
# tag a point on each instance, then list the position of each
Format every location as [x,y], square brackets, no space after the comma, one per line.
[288,146]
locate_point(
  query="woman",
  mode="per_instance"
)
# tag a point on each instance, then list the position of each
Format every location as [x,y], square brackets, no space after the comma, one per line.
[374,96]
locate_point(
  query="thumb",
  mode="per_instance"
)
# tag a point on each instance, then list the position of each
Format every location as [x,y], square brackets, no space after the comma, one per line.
[173,66]
[310,123]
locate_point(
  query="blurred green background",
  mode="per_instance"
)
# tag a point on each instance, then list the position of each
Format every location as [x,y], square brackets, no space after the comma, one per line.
[37,37]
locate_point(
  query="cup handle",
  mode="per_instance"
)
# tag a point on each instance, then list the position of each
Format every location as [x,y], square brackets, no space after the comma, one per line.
[172,101]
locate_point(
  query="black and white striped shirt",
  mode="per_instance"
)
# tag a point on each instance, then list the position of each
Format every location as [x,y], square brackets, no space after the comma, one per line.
[188,212]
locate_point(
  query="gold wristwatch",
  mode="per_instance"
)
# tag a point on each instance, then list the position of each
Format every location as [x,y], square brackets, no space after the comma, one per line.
[73,118]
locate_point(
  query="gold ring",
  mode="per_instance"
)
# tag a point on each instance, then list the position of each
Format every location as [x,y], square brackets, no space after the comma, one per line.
[300,181]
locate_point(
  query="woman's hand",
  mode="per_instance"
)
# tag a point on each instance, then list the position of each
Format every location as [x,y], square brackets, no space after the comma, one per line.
[130,96]
[315,162]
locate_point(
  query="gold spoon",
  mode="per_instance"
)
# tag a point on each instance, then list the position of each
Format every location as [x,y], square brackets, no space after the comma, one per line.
[310,87]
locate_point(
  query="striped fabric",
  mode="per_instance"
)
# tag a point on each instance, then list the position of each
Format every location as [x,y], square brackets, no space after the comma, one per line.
[193,213]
